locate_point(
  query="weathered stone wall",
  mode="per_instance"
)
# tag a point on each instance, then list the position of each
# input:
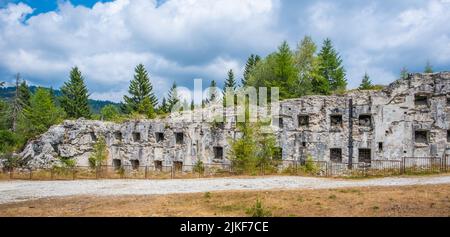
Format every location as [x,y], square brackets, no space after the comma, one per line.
[408,118]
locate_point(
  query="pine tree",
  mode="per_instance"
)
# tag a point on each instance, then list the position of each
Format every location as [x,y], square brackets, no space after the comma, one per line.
[229,85]
[42,112]
[366,83]
[286,73]
[306,63]
[212,93]
[251,63]
[404,73]
[192,105]
[75,95]
[24,94]
[330,66]
[173,97]
[142,99]
[428,68]
[163,108]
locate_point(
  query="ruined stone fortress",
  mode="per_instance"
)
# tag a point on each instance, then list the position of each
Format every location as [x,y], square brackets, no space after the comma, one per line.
[408,118]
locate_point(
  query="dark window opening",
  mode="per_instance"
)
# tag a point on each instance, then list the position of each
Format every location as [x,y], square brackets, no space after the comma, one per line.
[93,136]
[278,153]
[179,138]
[380,146]
[117,163]
[303,120]
[220,125]
[303,144]
[336,154]
[420,100]
[448,101]
[118,136]
[136,137]
[365,120]
[177,165]
[421,136]
[364,155]
[134,164]
[336,120]
[280,122]
[158,165]
[218,152]
[159,136]
[448,135]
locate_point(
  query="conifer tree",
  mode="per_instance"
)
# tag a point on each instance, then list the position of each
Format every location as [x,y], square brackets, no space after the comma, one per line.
[75,95]
[251,63]
[192,105]
[42,112]
[330,66]
[428,68]
[229,86]
[24,94]
[306,63]
[286,73]
[163,108]
[366,83]
[173,97]
[212,93]
[142,99]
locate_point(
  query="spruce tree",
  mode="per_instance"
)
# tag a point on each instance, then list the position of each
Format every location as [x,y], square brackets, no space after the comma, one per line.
[75,95]
[306,63]
[142,99]
[366,83]
[286,73]
[42,112]
[428,68]
[192,105]
[24,94]
[173,97]
[212,93]
[251,63]
[330,66]
[163,108]
[229,85]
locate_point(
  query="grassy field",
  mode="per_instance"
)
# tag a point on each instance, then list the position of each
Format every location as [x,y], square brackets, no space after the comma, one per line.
[430,200]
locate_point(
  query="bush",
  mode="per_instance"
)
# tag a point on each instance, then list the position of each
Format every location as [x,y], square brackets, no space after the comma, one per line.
[258,210]
[199,167]
[10,161]
[310,166]
[100,153]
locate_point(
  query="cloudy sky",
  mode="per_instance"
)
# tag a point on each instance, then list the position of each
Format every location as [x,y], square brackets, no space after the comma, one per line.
[179,40]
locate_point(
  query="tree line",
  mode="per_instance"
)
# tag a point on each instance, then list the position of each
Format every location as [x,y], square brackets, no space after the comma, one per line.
[303,71]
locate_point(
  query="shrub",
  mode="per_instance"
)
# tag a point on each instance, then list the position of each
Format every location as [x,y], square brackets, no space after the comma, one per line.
[100,153]
[258,210]
[199,167]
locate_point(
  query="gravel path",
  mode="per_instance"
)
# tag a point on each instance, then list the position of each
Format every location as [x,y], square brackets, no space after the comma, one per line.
[13,191]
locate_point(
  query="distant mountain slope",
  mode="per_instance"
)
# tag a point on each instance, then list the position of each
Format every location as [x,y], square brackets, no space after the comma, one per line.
[96,105]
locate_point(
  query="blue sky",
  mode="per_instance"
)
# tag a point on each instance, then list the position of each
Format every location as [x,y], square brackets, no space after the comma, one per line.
[179,40]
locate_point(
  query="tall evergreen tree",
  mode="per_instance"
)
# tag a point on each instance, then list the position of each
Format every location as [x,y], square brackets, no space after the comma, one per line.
[142,99]
[163,108]
[24,94]
[42,112]
[428,67]
[212,92]
[306,63]
[192,105]
[286,73]
[251,63]
[404,73]
[75,95]
[330,66]
[366,83]
[173,97]
[229,85]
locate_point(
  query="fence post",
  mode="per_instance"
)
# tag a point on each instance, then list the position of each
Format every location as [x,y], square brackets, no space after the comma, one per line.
[51,174]
[73,173]
[171,172]
[31,174]
[11,173]
[402,165]
[146,170]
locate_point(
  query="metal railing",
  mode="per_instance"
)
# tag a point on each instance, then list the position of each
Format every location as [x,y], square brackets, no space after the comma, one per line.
[406,165]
